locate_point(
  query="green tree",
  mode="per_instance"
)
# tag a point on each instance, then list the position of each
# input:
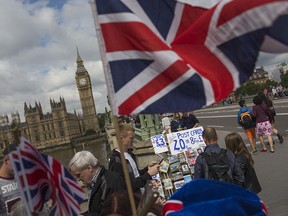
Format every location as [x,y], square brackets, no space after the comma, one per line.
[269,83]
[240,91]
[251,88]
[101,120]
[90,132]
[284,81]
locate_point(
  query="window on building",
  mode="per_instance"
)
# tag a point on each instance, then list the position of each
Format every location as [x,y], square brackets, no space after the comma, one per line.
[37,138]
[62,133]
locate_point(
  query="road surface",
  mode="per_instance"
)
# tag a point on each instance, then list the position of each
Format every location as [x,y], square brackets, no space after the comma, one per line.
[271,168]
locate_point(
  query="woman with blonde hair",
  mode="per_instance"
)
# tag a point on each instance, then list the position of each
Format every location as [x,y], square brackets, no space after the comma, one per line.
[235,143]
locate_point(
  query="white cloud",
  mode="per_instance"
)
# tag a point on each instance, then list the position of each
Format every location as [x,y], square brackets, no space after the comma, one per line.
[38,55]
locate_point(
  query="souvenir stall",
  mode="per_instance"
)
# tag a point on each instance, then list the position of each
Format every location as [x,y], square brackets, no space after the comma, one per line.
[179,151]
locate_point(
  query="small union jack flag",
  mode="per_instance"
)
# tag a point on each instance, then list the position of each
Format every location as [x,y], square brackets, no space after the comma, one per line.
[166,56]
[43,178]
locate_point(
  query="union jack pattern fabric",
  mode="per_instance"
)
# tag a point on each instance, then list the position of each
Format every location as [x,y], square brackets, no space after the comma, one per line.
[167,56]
[203,197]
[43,178]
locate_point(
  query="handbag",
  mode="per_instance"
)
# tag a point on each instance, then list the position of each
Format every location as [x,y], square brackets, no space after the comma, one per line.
[268,113]
[272,110]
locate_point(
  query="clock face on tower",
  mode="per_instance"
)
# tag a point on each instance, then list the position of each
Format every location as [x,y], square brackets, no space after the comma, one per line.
[82,81]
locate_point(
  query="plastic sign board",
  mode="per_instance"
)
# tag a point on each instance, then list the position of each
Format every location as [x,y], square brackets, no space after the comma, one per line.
[159,144]
[181,140]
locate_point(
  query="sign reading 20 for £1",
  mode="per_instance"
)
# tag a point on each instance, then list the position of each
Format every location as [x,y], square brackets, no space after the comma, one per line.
[181,140]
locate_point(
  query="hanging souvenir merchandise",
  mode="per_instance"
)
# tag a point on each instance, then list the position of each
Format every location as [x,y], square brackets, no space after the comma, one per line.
[157,185]
[177,168]
[167,184]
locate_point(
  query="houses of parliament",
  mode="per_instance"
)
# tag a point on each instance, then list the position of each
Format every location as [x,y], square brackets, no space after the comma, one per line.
[58,126]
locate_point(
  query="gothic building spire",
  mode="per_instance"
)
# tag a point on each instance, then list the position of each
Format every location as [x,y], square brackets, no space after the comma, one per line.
[80,64]
[79,59]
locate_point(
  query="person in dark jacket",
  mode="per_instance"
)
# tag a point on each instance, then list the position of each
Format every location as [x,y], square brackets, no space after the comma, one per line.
[101,183]
[210,138]
[189,120]
[263,122]
[176,123]
[235,143]
[138,177]
[249,127]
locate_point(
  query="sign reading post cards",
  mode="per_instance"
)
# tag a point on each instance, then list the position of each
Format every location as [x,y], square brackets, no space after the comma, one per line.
[181,140]
[159,144]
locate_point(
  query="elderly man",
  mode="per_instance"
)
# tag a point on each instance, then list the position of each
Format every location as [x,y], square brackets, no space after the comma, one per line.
[100,182]
[10,192]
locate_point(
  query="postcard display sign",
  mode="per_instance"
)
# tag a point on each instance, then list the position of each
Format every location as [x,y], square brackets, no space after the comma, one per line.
[180,150]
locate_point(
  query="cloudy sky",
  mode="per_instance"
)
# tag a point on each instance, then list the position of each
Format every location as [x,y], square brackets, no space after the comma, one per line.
[38,43]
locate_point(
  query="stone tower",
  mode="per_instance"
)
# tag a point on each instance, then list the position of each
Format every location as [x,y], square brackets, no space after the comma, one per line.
[84,86]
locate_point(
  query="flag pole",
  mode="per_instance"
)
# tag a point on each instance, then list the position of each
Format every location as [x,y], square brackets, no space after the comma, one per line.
[115,119]
[124,166]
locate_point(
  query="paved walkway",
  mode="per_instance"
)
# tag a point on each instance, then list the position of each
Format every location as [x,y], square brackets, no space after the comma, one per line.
[271,169]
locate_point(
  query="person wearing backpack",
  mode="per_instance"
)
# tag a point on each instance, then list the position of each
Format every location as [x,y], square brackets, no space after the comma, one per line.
[247,121]
[216,163]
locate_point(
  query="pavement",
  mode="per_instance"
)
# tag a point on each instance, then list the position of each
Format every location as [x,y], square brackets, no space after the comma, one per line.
[271,169]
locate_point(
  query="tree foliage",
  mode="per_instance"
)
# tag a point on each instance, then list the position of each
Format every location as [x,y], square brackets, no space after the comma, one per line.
[90,132]
[250,88]
[101,120]
[284,80]
[269,84]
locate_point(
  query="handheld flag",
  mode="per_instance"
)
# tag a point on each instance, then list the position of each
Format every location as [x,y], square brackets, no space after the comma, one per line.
[166,56]
[43,178]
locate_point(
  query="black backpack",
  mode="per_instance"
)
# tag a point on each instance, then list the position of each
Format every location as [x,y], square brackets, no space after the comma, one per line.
[246,120]
[218,166]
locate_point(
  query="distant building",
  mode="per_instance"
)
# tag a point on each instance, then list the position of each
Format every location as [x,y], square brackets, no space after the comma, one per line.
[58,126]
[279,71]
[53,128]
[259,76]
[4,120]
[275,75]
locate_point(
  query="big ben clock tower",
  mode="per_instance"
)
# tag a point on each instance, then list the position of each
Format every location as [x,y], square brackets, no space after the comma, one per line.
[84,86]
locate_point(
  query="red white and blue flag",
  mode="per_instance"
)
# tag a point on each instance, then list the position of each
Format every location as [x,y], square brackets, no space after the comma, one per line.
[42,178]
[167,56]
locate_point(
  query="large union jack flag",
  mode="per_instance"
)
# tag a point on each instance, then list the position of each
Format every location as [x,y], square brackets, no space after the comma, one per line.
[167,56]
[42,178]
